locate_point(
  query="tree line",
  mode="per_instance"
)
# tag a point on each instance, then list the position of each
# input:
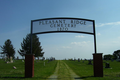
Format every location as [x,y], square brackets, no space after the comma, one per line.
[9,51]
[114,56]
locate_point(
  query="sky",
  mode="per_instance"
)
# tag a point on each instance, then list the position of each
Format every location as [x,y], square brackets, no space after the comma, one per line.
[16,16]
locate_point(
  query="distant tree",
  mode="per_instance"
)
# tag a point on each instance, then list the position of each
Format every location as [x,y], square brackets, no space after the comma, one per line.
[108,57]
[36,48]
[116,54]
[8,49]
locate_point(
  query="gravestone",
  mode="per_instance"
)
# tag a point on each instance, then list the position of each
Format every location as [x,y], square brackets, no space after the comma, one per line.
[107,65]
[11,61]
[78,60]
[83,61]
[89,62]
[71,59]
[22,60]
[74,59]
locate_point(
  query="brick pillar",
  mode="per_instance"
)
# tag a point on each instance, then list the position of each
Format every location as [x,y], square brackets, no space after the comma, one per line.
[29,66]
[98,65]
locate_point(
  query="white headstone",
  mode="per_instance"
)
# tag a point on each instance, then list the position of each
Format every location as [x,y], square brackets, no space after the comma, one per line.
[11,60]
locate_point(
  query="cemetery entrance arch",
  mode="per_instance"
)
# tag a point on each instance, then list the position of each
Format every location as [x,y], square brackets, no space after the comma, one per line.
[58,25]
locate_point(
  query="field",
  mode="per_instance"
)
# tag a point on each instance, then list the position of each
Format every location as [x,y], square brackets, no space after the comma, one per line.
[85,71]
[42,72]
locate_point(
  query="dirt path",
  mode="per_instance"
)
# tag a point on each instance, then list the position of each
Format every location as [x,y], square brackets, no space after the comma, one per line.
[63,72]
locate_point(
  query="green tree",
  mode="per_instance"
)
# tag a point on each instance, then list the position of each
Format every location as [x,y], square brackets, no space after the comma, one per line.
[108,57]
[36,48]
[8,49]
[116,54]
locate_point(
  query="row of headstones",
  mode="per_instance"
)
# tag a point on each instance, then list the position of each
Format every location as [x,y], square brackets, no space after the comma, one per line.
[79,60]
[51,59]
[107,65]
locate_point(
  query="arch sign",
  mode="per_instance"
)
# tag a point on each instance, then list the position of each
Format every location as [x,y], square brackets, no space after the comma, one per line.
[53,25]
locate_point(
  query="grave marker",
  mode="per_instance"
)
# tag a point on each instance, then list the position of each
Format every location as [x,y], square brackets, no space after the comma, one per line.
[89,62]
[11,61]
[107,65]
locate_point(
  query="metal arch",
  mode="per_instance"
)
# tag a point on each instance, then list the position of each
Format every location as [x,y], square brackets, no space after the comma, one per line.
[62,18]
[95,47]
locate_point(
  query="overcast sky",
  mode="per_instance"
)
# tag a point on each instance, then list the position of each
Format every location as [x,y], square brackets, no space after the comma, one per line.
[16,16]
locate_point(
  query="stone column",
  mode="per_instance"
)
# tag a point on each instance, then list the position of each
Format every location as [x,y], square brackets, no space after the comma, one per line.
[29,66]
[98,65]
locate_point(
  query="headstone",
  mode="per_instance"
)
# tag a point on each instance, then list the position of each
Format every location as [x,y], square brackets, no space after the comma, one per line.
[71,59]
[78,60]
[7,62]
[74,59]
[22,60]
[14,67]
[11,60]
[89,62]
[107,65]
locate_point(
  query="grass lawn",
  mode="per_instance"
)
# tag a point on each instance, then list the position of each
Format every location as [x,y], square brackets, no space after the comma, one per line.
[40,71]
[85,71]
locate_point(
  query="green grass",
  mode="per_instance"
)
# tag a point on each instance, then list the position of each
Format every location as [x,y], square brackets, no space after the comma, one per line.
[85,71]
[40,71]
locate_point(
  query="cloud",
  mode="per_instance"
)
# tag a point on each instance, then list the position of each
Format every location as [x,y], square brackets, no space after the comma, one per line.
[83,43]
[106,24]
[98,34]
[80,36]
